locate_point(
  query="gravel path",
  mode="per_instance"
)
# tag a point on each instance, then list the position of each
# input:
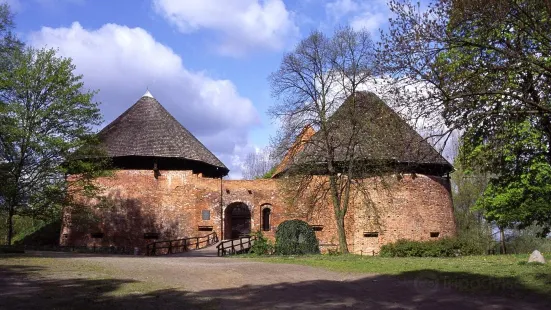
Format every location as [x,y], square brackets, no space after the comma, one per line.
[232,283]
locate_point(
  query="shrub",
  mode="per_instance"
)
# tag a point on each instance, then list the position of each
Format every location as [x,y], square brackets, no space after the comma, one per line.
[296,237]
[333,252]
[261,245]
[41,234]
[447,247]
[527,240]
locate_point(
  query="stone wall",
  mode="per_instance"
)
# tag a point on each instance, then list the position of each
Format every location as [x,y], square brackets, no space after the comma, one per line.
[173,205]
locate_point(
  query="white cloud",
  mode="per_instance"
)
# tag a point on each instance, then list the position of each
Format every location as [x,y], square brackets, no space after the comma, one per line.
[239,158]
[339,8]
[368,15]
[368,21]
[241,25]
[121,62]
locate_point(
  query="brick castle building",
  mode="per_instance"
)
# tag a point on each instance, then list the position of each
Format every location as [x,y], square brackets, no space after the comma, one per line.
[168,185]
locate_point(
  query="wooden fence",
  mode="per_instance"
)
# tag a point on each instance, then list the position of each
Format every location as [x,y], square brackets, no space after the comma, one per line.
[180,245]
[235,246]
[82,249]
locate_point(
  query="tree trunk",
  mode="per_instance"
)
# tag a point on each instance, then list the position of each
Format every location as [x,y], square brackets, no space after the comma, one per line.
[339,213]
[9,223]
[343,246]
[502,237]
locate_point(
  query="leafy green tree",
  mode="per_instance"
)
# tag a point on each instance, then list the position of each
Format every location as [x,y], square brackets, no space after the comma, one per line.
[467,188]
[9,43]
[46,132]
[483,68]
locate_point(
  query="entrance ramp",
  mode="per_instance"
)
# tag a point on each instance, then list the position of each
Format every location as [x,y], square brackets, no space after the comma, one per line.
[235,246]
[184,245]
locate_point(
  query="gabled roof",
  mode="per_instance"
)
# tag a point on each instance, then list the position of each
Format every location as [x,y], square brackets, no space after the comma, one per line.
[385,138]
[146,129]
[295,149]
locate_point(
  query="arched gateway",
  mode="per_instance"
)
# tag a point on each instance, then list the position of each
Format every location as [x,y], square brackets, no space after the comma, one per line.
[237,220]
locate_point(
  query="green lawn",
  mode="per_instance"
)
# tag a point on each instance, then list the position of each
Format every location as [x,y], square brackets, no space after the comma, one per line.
[495,273]
[60,280]
[67,282]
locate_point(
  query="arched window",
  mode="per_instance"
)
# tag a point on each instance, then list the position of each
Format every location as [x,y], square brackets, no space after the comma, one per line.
[266,214]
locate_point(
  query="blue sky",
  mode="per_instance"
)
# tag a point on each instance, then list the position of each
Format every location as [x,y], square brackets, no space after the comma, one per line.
[206,61]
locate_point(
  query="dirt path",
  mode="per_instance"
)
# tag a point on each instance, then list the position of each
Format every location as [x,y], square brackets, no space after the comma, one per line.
[226,283]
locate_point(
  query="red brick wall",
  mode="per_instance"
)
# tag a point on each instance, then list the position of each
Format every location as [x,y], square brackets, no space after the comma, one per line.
[134,202]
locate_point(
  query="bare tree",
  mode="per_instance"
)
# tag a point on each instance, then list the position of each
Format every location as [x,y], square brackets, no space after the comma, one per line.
[312,82]
[257,164]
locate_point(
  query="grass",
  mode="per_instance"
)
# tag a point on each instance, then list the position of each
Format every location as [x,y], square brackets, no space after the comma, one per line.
[59,281]
[495,273]
[62,268]
[71,283]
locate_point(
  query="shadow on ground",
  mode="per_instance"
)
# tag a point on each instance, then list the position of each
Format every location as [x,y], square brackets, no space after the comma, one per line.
[22,287]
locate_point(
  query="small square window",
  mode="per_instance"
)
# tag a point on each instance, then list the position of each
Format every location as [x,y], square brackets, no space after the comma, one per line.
[97,235]
[371,234]
[317,227]
[151,235]
[205,214]
[434,234]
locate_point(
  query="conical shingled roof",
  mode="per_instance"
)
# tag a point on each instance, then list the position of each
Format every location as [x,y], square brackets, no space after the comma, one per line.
[385,137]
[146,129]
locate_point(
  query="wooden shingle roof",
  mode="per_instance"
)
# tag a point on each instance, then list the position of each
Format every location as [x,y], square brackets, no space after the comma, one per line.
[385,138]
[297,147]
[146,129]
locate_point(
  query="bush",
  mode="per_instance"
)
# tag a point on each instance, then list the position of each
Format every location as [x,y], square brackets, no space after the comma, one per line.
[261,245]
[41,234]
[527,240]
[31,231]
[296,237]
[447,247]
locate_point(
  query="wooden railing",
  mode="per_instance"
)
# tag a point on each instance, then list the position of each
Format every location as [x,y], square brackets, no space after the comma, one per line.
[82,249]
[235,246]
[180,245]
